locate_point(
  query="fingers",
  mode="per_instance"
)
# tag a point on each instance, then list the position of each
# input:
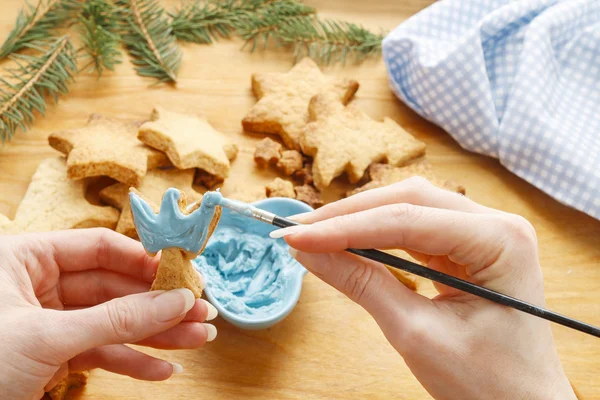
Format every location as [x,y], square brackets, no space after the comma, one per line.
[82,249]
[127,319]
[414,190]
[123,360]
[371,285]
[186,335]
[472,240]
[88,288]
[201,311]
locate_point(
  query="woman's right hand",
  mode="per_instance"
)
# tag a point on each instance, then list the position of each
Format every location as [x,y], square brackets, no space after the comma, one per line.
[459,346]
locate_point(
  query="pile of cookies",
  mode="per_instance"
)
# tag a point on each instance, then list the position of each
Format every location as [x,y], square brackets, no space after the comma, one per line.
[165,151]
[325,138]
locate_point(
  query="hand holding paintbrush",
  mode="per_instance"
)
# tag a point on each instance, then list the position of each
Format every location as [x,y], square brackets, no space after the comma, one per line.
[476,347]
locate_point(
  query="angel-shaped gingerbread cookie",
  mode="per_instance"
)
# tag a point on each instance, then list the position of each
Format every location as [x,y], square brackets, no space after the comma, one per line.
[180,231]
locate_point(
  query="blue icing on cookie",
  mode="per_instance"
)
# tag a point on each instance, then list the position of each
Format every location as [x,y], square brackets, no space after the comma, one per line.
[170,227]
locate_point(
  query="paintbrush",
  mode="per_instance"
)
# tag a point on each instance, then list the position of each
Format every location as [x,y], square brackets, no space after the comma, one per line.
[428,273]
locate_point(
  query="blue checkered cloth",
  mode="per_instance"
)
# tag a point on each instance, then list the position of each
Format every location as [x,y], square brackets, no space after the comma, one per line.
[515,80]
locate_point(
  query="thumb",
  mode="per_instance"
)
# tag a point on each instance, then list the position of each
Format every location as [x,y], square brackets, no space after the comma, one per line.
[395,308]
[123,320]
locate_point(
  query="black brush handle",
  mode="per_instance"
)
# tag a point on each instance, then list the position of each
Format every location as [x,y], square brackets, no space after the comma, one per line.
[460,284]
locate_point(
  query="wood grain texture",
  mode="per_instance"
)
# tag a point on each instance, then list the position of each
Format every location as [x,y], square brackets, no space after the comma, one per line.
[328,347]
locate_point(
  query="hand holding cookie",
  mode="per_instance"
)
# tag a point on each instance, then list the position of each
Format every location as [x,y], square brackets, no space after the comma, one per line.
[77,298]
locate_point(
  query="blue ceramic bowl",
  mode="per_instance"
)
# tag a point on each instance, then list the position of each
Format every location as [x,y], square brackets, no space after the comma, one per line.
[283,207]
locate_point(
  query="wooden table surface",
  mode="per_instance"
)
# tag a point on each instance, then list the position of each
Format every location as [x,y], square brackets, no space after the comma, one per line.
[328,347]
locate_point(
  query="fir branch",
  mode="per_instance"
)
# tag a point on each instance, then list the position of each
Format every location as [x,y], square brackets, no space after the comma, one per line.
[329,41]
[149,39]
[262,25]
[24,90]
[98,26]
[207,21]
[37,23]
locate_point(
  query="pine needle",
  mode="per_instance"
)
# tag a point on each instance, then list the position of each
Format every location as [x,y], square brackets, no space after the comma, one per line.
[37,23]
[203,21]
[149,39]
[259,27]
[25,89]
[328,41]
[98,26]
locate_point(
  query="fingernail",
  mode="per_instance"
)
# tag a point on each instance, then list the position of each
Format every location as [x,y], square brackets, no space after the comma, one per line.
[293,252]
[212,311]
[177,368]
[211,331]
[299,217]
[279,233]
[201,278]
[174,303]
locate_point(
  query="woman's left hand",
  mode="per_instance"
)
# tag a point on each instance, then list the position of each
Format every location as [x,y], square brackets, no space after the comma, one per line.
[69,300]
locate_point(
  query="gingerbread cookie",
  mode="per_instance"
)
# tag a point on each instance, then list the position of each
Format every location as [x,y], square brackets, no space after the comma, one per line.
[290,162]
[153,186]
[107,146]
[309,195]
[189,141]
[280,188]
[344,139]
[282,108]
[385,174]
[180,231]
[72,381]
[54,202]
[304,174]
[267,152]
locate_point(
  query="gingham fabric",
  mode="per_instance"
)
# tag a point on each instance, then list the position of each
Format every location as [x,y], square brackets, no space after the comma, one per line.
[515,80]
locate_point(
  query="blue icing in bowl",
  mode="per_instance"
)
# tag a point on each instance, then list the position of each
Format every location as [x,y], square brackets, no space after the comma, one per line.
[250,278]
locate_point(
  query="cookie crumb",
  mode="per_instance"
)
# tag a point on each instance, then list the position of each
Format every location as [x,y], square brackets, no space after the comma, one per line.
[290,162]
[72,381]
[207,180]
[267,152]
[304,174]
[309,195]
[280,188]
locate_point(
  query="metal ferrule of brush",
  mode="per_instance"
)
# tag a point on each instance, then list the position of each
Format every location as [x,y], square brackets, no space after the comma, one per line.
[263,215]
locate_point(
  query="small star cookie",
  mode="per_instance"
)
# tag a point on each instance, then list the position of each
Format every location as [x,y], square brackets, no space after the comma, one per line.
[189,141]
[280,188]
[308,195]
[282,107]
[54,202]
[267,152]
[107,146]
[290,162]
[385,174]
[344,139]
[153,186]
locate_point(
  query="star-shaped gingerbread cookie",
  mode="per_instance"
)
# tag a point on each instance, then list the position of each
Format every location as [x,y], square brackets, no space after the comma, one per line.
[189,141]
[153,186]
[344,139]
[385,174]
[107,146]
[282,108]
[54,202]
